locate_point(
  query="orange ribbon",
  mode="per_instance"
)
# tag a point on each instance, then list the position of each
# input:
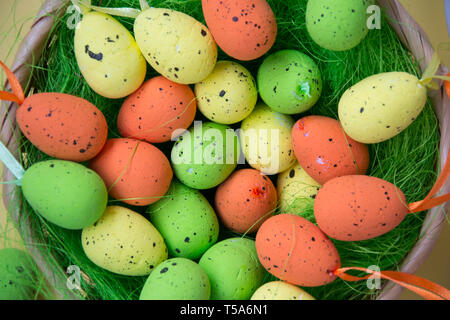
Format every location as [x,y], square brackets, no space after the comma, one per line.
[17,95]
[423,287]
[447,86]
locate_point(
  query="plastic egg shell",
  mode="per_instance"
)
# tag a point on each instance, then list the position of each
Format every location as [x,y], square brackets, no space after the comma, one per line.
[278,290]
[17,274]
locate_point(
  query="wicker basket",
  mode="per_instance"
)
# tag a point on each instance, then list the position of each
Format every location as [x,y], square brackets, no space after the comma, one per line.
[31,49]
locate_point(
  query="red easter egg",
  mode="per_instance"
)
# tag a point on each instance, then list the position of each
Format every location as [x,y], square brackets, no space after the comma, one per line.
[295,250]
[324,150]
[354,208]
[245,200]
[134,172]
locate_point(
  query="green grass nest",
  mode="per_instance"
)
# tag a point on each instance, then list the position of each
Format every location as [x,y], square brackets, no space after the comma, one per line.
[407,160]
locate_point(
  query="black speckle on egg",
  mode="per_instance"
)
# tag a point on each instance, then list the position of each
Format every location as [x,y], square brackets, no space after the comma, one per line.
[164,270]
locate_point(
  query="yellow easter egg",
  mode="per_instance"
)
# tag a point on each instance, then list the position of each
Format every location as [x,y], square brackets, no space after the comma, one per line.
[124,242]
[176,45]
[381,106]
[108,56]
[266,140]
[278,290]
[228,95]
[296,190]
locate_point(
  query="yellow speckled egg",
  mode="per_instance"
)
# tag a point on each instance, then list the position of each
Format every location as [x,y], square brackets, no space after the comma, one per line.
[108,56]
[296,190]
[124,242]
[279,290]
[176,45]
[228,95]
[266,140]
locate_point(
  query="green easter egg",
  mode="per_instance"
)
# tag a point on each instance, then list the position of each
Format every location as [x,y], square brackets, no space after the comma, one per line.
[337,25]
[233,268]
[289,82]
[204,156]
[65,193]
[177,279]
[186,221]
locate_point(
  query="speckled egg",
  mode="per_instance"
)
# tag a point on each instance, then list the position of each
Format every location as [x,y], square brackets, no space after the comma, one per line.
[296,190]
[278,290]
[177,279]
[157,110]
[65,193]
[324,150]
[294,250]
[337,25]
[186,221]
[266,140]
[176,45]
[108,56]
[134,172]
[63,126]
[124,242]
[233,269]
[244,29]
[245,200]
[355,208]
[17,272]
[228,95]
[206,155]
[289,82]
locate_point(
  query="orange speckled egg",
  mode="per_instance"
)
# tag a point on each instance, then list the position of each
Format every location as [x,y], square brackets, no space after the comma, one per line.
[354,208]
[324,150]
[295,250]
[156,110]
[245,200]
[63,126]
[244,29]
[134,172]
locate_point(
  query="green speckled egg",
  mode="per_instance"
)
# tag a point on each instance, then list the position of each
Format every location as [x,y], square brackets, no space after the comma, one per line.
[337,25]
[233,268]
[124,242]
[206,155]
[177,279]
[289,82]
[17,270]
[228,95]
[65,193]
[186,221]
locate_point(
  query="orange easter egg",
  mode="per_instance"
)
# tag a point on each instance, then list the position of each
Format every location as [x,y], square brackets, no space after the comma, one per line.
[63,126]
[295,250]
[156,110]
[134,172]
[324,150]
[245,200]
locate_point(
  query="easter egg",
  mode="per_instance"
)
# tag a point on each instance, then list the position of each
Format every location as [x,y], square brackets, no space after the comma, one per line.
[278,290]
[17,271]
[155,111]
[124,242]
[244,29]
[233,269]
[63,126]
[108,56]
[381,106]
[354,208]
[177,279]
[294,250]
[176,45]
[296,190]
[206,155]
[134,172]
[337,25]
[266,140]
[65,193]
[245,200]
[228,95]
[186,221]
[289,82]
[324,150]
